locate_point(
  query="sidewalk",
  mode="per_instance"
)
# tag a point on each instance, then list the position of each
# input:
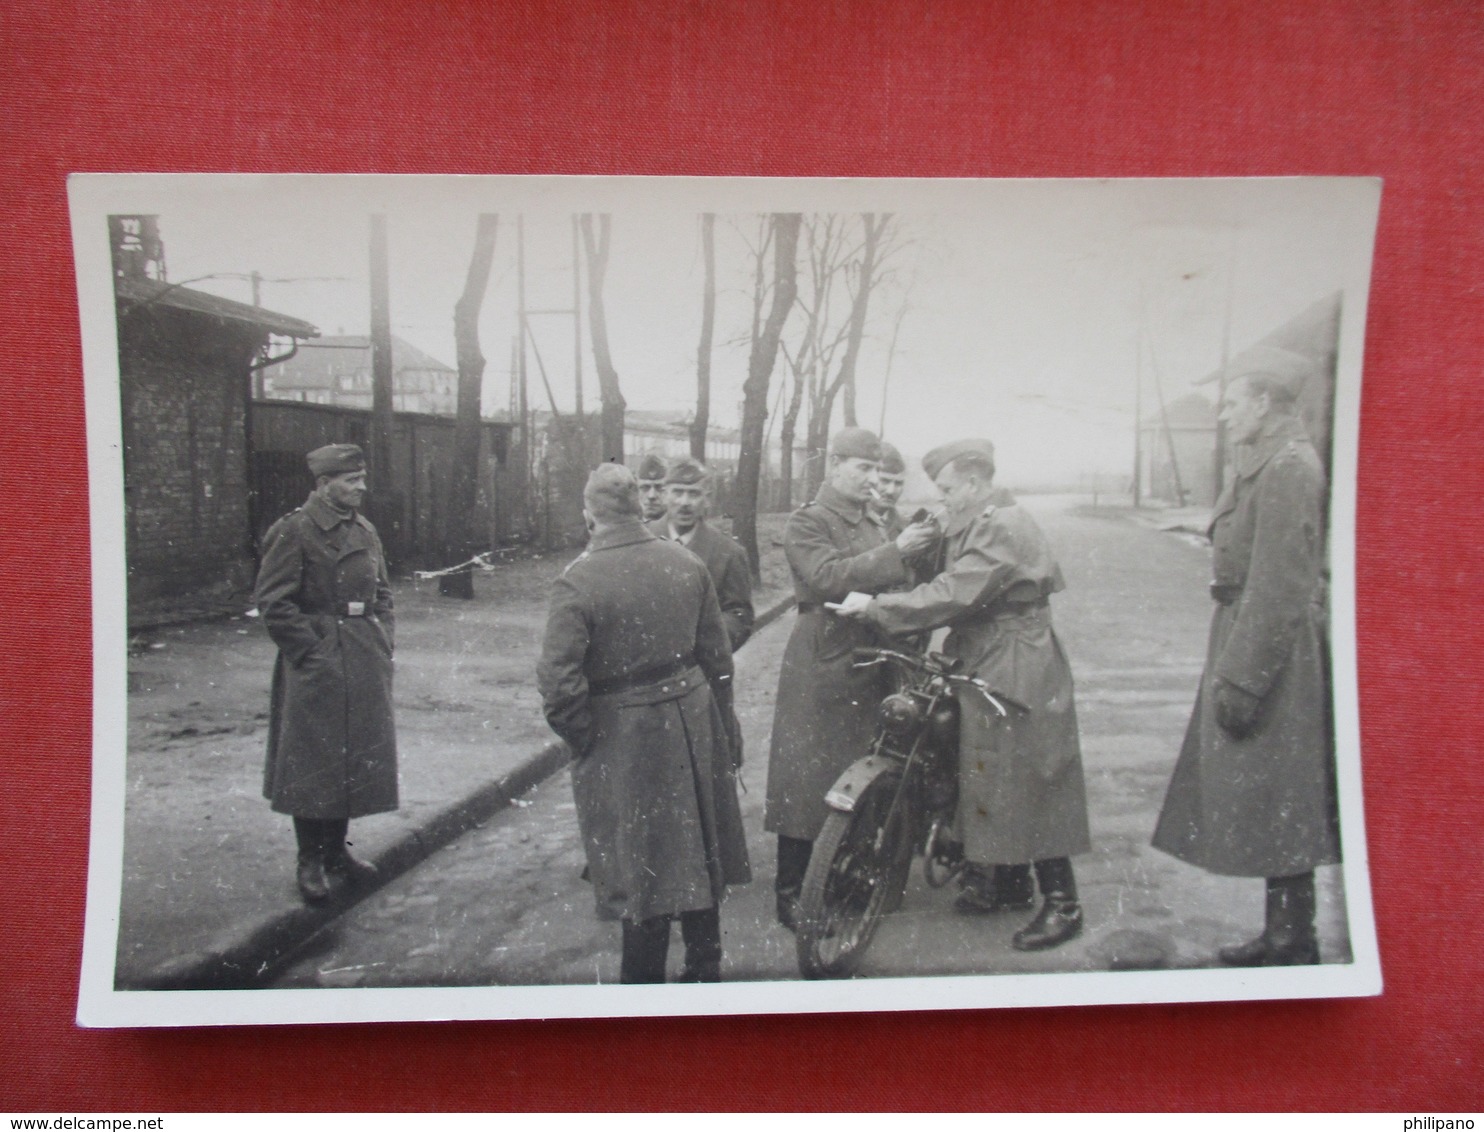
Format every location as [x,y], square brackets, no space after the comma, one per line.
[209,897]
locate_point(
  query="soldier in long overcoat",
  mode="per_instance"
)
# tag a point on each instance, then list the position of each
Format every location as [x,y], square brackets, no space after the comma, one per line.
[687,501]
[1253,791]
[323,593]
[635,674]
[825,714]
[1021,792]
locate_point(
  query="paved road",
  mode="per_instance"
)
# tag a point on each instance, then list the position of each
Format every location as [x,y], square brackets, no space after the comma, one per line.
[505,905]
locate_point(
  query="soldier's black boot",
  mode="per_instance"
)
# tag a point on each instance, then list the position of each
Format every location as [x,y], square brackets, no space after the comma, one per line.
[793,863]
[1254,953]
[1005,888]
[1288,938]
[645,945]
[1060,917]
[314,882]
[340,862]
[701,931]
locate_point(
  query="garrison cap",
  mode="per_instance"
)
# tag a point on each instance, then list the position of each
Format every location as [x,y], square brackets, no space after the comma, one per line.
[687,470]
[336,460]
[940,457]
[651,467]
[1282,369]
[891,460]
[856,443]
[612,493]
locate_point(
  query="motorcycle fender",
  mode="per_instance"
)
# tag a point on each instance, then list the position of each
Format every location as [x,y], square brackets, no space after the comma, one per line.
[852,784]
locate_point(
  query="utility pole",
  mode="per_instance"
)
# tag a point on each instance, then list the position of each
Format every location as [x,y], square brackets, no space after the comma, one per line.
[1164,417]
[1138,409]
[577,322]
[381,388]
[1219,457]
[527,419]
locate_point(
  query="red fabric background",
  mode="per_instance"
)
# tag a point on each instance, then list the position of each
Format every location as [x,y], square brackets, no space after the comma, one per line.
[778,87]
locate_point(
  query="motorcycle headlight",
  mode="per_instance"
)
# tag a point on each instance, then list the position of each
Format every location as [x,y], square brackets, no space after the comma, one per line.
[899,714]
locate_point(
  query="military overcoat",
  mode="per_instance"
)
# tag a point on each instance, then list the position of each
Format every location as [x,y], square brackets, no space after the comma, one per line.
[825,714]
[730,574]
[635,674]
[323,593]
[1263,805]
[1021,791]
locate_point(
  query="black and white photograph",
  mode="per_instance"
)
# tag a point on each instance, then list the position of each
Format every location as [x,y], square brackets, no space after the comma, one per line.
[528,597]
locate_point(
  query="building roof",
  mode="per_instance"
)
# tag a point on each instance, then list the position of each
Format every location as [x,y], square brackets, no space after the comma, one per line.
[1313,333]
[674,422]
[1191,412]
[137,292]
[320,364]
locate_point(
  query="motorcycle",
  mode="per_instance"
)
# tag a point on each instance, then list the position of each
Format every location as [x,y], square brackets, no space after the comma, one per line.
[895,803]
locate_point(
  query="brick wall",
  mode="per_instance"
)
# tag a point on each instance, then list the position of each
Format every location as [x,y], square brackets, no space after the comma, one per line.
[183,389]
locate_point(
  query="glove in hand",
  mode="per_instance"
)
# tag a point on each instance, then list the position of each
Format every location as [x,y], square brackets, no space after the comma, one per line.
[1236,709]
[734,736]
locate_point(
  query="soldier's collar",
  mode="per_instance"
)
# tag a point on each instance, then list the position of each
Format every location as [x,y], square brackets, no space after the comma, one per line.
[685,538]
[325,517]
[1276,432]
[849,511]
[998,497]
[620,534]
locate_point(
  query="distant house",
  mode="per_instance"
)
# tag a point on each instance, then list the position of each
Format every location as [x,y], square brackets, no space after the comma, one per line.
[667,433]
[1178,448]
[336,370]
[1177,453]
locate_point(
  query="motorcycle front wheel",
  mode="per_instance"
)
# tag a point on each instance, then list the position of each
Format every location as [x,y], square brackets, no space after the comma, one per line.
[855,872]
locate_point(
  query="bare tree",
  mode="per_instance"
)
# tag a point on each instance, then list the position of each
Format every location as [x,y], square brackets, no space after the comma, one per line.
[460,540]
[785,237]
[865,282]
[823,237]
[611,420]
[863,268]
[702,421]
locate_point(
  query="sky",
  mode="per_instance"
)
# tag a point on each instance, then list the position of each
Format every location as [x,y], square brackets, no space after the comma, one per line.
[1032,308]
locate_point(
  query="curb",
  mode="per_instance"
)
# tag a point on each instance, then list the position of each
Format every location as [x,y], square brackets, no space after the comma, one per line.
[244,960]
[248,959]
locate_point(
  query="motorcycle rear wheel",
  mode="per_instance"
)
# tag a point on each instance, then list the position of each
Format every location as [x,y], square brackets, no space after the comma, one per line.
[855,873]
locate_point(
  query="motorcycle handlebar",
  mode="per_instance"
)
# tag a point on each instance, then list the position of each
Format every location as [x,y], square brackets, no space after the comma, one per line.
[933,664]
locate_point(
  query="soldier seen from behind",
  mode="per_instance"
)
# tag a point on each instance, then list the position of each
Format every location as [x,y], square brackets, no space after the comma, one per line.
[635,674]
